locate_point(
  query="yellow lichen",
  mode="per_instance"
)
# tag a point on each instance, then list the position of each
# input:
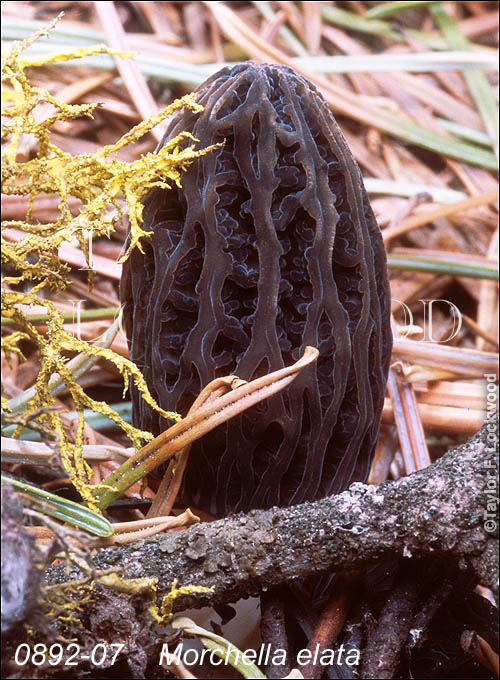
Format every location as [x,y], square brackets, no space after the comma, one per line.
[164,613]
[103,185]
[129,586]
[147,586]
[10,346]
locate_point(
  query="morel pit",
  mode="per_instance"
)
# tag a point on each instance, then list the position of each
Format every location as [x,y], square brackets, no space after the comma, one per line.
[270,245]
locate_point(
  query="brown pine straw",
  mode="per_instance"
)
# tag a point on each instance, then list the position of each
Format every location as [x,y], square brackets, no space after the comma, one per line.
[177,668]
[312,26]
[128,532]
[74,91]
[38,453]
[406,86]
[478,25]
[409,424]
[487,311]
[459,394]
[221,399]
[436,213]
[476,645]
[445,419]
[457,360]
[331,622]
[172,479]
[160,23]
[132,77]
[339,98]
[477,330]
[75,257]
[386,447]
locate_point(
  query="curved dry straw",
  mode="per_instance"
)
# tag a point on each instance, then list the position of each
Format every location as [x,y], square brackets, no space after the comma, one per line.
[242,395]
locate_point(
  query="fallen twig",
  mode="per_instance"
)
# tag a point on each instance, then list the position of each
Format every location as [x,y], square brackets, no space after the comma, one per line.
[243,554]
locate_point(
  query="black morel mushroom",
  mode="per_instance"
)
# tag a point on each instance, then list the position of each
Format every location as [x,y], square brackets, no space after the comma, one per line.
[270,245]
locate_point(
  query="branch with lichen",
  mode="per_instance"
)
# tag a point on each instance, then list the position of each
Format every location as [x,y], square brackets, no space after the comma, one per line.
[244,554]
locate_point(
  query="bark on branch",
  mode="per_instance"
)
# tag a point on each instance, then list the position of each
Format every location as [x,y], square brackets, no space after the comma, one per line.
[439,510]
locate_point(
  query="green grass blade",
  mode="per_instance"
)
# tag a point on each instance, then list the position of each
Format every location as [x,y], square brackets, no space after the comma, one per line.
[68,317]
[153,67]
[97,421]
[64,31]
[422,62]
[388,9]
[476,80]
[220,647]
[286,34]
[432,265]
[67,511]
[469,134]
[355,22]
[415,134]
